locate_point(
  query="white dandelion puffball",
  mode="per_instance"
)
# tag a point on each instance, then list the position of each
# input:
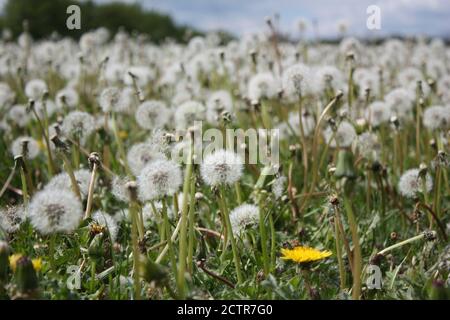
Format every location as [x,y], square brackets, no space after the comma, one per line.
[279,186]
[329,76]
[142,154]
[7,95]
[151,216]
[55,210]
[262,86]
[221,167]
[158,179]
[19,115]
[107,221]
[378,113]
[79,125]
[50,108]
[308,123]
[297,80]
[35,89]
[436,117]
[242,217]
[119,188]
[411,183]
[32,147]
[368,145]
[67,97]
[400,102]
[12,217]
[62,182]
[109,99]
[218,102]
[152,114]
[343,137]
[187,113]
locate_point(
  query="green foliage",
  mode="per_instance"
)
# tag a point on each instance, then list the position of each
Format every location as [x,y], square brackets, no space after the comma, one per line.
[48,16]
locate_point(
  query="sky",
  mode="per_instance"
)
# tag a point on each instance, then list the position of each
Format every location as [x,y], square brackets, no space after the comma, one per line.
[406,17]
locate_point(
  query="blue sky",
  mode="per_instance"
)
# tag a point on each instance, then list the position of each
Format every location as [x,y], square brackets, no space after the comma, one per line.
[409,17]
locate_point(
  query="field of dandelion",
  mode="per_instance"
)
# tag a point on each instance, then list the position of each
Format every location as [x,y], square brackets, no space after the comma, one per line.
[96,205]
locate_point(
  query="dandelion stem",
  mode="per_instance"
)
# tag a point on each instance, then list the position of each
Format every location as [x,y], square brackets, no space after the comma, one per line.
[94,160]
[229,230]
[191,224]
[357,259]
[263,234]
[401,244]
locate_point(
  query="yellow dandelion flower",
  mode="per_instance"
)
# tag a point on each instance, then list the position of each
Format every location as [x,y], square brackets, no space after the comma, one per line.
[13,260]
[123,134]
[37,263]
[304,254]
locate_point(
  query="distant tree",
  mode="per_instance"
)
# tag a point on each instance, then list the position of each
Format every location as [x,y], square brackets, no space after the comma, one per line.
[47,16]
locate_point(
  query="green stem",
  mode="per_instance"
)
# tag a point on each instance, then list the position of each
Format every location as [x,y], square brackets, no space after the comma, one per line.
[357,258]
[183,227]
[191,226]
[263,234]
[226,217]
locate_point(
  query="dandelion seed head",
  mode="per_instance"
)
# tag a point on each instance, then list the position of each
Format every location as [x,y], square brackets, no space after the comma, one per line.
[78,125]
[400,102]
[62,182]
[187,113]
[436,117]
[378,113]
[343,137]
[411,183]
[297,80]
[368,145]
[221,167]
[12,217]
[158,179]
[32,147]
[19,115]
[67,97]
[142,154]
[35,89]
[243,217]
[262,86]
[152,114]
[54,210]
[218,102]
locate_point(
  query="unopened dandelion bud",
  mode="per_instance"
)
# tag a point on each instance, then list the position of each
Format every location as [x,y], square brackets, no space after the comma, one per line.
[96,250]
[439,290]
[4,261]
[132,188]
[344,167]
[25,276]
[153,272]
